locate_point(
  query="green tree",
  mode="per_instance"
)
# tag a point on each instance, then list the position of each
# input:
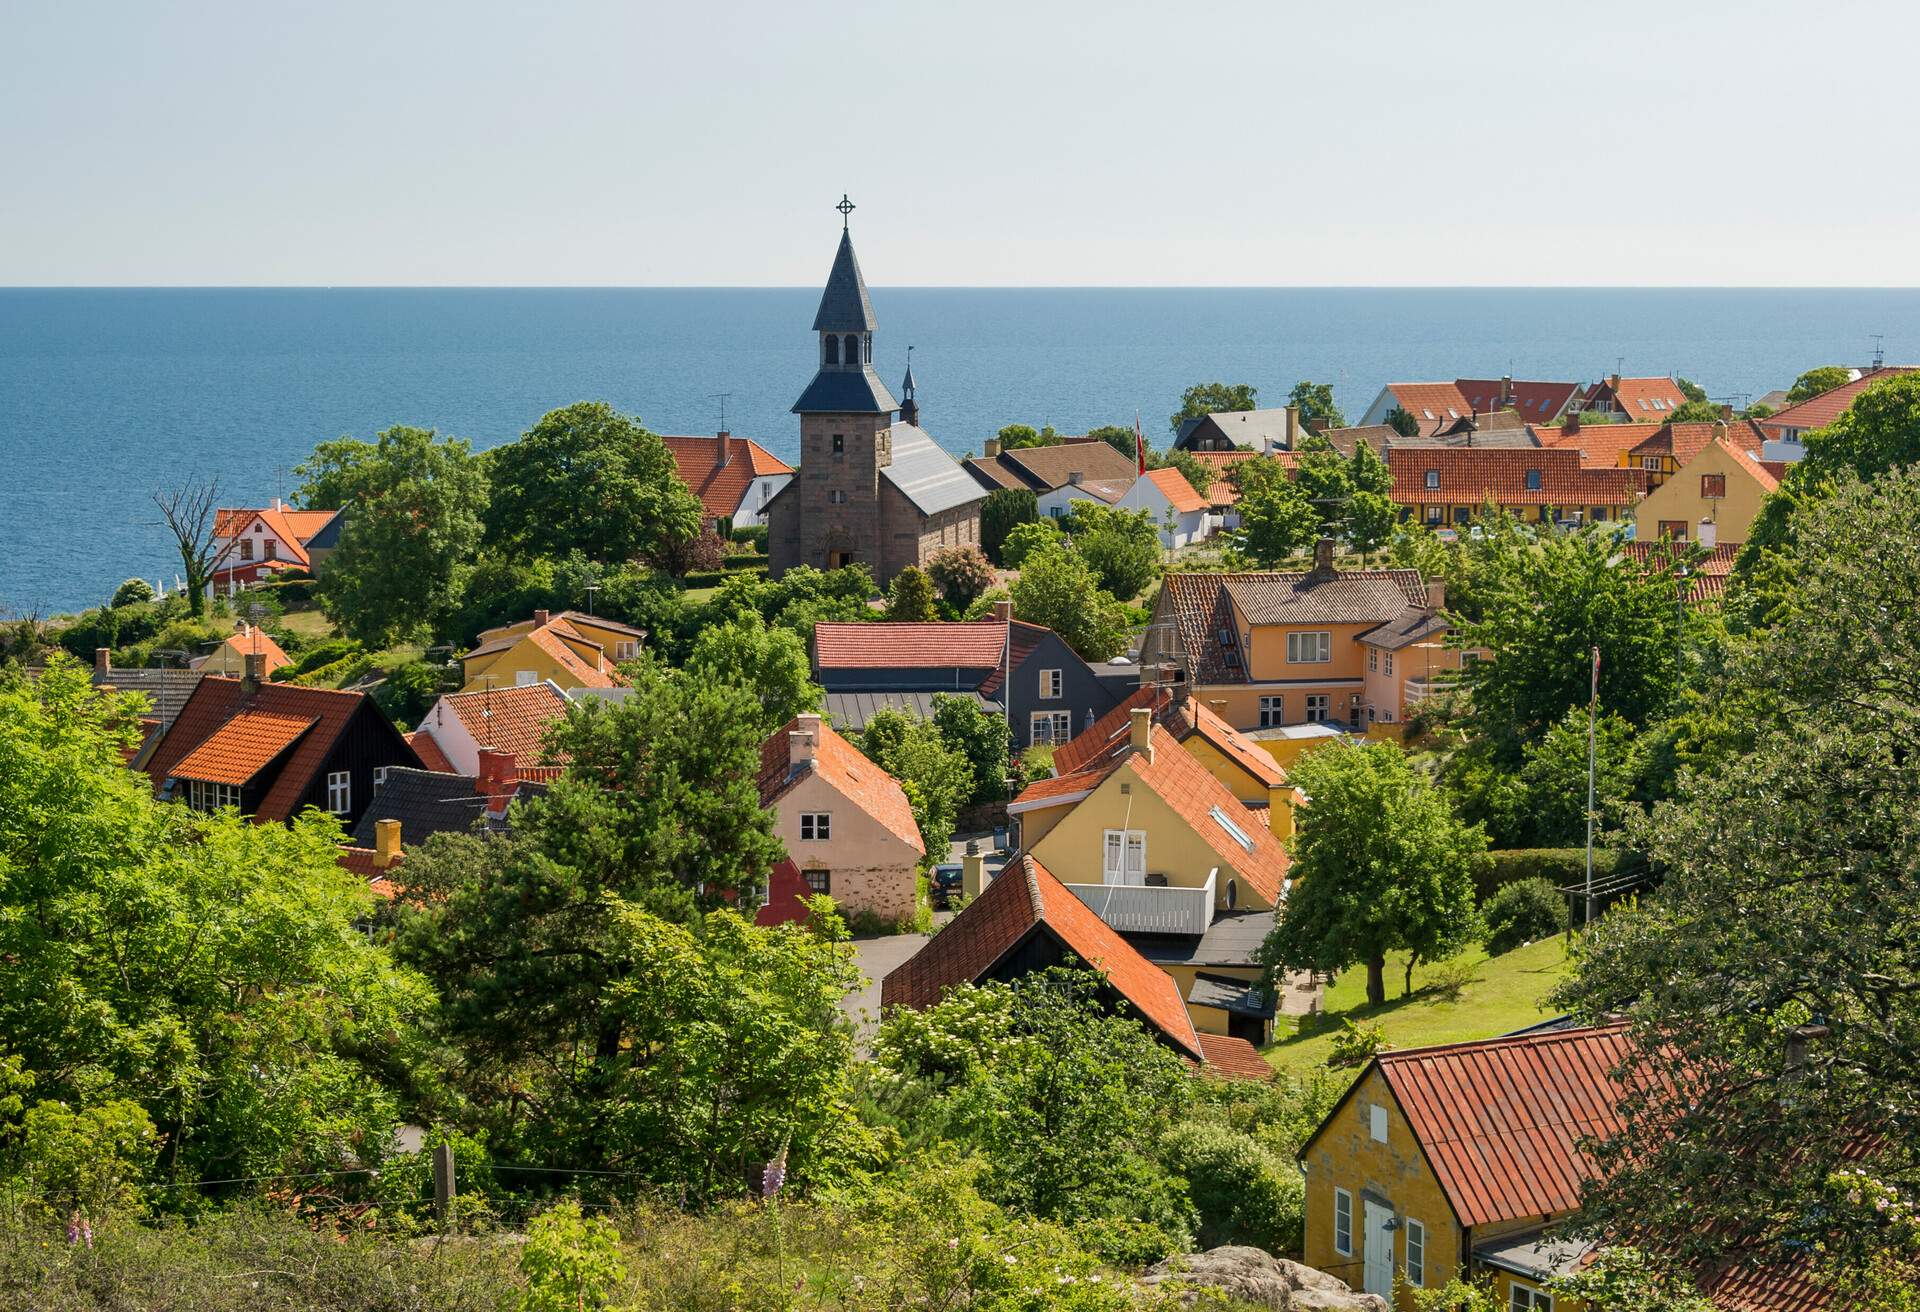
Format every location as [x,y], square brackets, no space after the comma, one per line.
[132,592]
[911,598]
[1005,509]
[1787,901]
[1622,1278]
[1878,432]
[982,737]
[1034,535]
[1015,436]
[409,691]
[414,502]
[1061,1096]
[1368,472]
[1380,864]
[937,775]
[1814,381]
[1204,399]
[1277,521]
[1369,521]
[1121,547]
[770,665]
[202,966]
[586,478]
[963,573]
[1316,405]
[1547,605]
[1119,437]
[1403,423]
[1057,590]
[1553,779]
[87,1162]
[1692,391]
[1694,412]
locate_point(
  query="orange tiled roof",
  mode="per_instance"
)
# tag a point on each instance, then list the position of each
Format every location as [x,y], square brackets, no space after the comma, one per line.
[595,674]
[364,862]
[1432,405]
[1533,401]
[1685,441]
[1100,739]
[1644,398]
[1819,411]
[1174,487]
[970,644]
[217,699]
[1110,733]
[1473,475]
[1234,1058]
[1025,898]
[1600,445]
[238,646]
[721,488]
[1060,789]
[839,762]
[242,747]
[1191,718]
[429,752]
[1222,492]
[505,719]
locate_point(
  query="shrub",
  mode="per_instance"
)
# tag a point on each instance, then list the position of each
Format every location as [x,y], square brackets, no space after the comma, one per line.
[911,598]
[1522,912]
[751,535]
[1243,1192]
[1355,1044]
[1025,539]
[1003,509]
[316,656]
[131,591]
[700,553]
[962,573]
[406,693]
[1562,866]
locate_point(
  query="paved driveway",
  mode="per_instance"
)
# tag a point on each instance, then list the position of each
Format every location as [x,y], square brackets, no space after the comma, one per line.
[877,956]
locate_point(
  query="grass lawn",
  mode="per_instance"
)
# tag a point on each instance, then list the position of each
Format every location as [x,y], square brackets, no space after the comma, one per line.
[1504,994]
[309,624]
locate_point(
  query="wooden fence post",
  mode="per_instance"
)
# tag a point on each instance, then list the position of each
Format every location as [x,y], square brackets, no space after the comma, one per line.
[442,1184]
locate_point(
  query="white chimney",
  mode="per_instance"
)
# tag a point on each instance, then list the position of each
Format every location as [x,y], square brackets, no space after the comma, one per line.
[1708,534]
[803,741]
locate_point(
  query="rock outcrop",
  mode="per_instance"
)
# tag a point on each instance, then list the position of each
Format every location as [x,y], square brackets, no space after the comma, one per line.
[1257,1277]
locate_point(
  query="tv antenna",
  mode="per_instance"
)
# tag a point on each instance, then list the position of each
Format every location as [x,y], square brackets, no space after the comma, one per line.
[722,398]
[1879,349]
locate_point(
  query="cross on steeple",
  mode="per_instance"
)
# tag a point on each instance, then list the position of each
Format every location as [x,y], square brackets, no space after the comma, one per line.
[845,207]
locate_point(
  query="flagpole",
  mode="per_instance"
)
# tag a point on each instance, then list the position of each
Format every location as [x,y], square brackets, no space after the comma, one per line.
[1593,706]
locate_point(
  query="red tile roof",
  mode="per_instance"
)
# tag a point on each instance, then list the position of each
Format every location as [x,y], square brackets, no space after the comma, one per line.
[1761,474]
[852,775]
[1236,1059]
[364,861]
[1192,718]
[1109,735]
[721,488]
[597,673]
[1600,445]
[1179,493]
[972,644]
[1643,398]
[1060,789]
[1022,899]
[242,747]
[1535,401]
[1474,475]
[1819,411]
[238,646]
[1685,441]
[429,752]
[506,719]
[1222,492]
[217,699]
[1432,405]
[1106,735]
[1500,1121]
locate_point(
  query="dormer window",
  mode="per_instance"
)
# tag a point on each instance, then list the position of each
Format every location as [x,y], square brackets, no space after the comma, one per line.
[1433,480]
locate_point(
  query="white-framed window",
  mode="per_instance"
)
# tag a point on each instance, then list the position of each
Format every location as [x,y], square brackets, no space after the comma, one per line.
[1309,648]
[1373,658]
[1319,706]
[203,796]
[1389,662]
[1343,1223]
[379,775]
[1124,859]
[339,791]
[1273,711]
[1234,831]
[1433,480]
[1525,1298]
[1416,1252]
[1377,1122]
[1650,463]
[1052,684]
[1050,726]
[626,649]
[525,678]
[816,826]
[837,497]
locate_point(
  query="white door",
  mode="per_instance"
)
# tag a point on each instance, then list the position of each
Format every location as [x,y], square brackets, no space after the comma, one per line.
[1378,1250]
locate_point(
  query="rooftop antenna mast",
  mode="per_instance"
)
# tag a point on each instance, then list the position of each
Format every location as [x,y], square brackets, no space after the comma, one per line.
[722,398]
[1879,350]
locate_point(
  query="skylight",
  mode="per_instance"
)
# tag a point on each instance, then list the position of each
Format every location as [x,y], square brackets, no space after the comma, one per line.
[1428,413]
[1234,831]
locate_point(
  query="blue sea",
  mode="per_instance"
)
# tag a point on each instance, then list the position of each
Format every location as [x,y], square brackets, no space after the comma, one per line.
[106,395]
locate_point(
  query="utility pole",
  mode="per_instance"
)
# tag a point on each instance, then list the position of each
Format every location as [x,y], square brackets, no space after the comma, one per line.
[1593,707]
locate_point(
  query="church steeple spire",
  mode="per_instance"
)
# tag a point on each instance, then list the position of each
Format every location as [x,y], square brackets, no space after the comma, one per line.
[909,402]
[845,383]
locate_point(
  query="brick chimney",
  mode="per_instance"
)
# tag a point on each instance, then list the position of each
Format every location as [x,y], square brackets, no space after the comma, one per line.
[1322,562]
[1075,477]
[993,448]
[1140,731]
[1506,392]
[386,843]
[1613,381]
[1176,688]
[256,667]
[1293,428]
[1573,421]
[1003,612]
[1726,413]
[499,773]
[726,447]
[103,660]
[803,740]
[540,618]
[1719,430]
[973,874]
[1436,595]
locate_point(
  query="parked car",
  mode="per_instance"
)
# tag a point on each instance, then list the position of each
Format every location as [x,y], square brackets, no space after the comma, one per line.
[944,888]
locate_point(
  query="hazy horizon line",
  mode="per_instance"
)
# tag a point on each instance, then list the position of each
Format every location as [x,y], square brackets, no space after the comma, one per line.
[958,287]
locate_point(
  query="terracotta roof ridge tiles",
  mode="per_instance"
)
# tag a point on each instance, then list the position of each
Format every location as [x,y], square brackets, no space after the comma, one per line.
[1544,1038]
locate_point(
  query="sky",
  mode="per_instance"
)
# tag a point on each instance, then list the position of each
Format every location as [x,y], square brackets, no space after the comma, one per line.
[1279,143]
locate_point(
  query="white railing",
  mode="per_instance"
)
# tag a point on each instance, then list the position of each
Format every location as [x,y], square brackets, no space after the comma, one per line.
[1147,909]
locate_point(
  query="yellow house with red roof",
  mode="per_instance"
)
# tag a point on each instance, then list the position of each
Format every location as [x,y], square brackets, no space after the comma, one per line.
[569,649]
[1712,499]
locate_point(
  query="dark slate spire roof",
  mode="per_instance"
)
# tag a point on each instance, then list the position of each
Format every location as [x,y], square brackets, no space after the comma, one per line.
[906,384]
[845,392]
[844,307]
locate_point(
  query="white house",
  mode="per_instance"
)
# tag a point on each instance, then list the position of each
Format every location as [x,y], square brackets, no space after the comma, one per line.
[1178,511]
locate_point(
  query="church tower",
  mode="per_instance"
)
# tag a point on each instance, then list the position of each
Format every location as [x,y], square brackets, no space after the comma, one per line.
[846,422]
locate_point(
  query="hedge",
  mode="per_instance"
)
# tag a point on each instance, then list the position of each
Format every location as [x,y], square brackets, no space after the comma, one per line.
[1563,866]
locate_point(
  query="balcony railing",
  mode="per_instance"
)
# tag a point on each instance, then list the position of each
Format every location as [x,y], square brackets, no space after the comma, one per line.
[1150,909]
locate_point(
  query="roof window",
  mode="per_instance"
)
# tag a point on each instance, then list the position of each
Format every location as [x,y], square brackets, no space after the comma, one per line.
[1533,480]
[1428,413]
[1433,479]
[1234,831]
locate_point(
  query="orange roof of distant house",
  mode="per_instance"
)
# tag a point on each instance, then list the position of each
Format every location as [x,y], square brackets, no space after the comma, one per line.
[722,487]
[856,778]
[513,720]
[970,644]
[365,862]
[1819,411]
[1471,475]
[429,752]
[1685,441]
[595,674]
[242,747]
[1432,405]
[1600,445]
[1644,398]
[1233,1057]
[1174,487]
[1533,401]
[1024,897]
[239,646]
[1222,492]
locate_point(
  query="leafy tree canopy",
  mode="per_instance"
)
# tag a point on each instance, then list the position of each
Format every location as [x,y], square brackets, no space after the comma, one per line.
[911,597]
[1004,510]
[936,774]
[1317,408]
[1122,547]
[1204,399]
[1015,436]
[1277,520]
[1118,436]
[963,573]
[766,663]
[1058,590]
[1810,384]
[1691,390]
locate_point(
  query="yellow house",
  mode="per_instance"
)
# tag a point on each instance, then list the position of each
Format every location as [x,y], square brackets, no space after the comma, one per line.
[570,649]
[1455,1161]
[1163,852]
[1712,499]
[1264,650]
